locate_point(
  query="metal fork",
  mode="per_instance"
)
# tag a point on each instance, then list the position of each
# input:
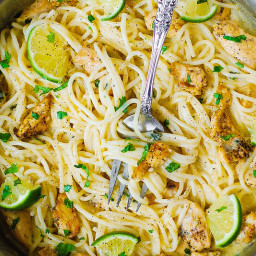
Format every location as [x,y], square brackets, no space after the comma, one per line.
[147,123]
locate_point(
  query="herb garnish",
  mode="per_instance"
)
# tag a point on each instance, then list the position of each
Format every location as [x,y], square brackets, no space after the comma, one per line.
[240,65]
[91,18]
[121,103]
[129,147]
[51,37]
[145,152]
[61,114]
[6,192]
[150,231]
[188,78]
[155,136]
[42,88]
[14,223]
[12,169]
[66,232]
[227,137]
[122,254]
[187,251]
[67,188]
[17,182]
[172,167]
[47,231]
[35,116]
[201,100]
[106,195]
[164,49]
[65,249]
[5,63]
[87,183]
[237,39]
[218,97]
[97,83]
[201,1]
[4,137]
[254,173]
[221,209]
[217,68]
[166,122]
[68,203]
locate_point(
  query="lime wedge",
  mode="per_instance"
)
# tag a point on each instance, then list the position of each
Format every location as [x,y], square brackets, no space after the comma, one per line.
[47,53]
[198,11]
[18,195]
[116,243]
[224,218]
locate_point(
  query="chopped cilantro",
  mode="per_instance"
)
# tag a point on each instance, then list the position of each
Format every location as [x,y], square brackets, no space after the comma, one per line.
[90,27]
[91,18]
[155,136]
[61,114]
[121,103]
[42,88]
[122,254]
[188,78]
[40,140]
[51,37]
[221,209]
[81,238]
[237,39]
[169,70]
[254,173]
[227,137]
[172,167]
[14,223]
[5,63]
[201,1]
[6,192]
[67,188]
[35,116]
[201,100]
[68,203]
[97,83]
[166,122]
[164,49]
[129,147]
[12,107]
[65,249]
[145,152]
[150,231]
[17,182]
[217,68]
[240,65]
[153,24]
[12,169]
[47,231]
[218,97]
[87,183]
[66,232]
[187,251]
[63,86]
[106,195]
[154,93]
[4,137]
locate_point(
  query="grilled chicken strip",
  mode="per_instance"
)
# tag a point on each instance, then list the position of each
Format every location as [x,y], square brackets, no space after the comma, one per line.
[248,230]
[88,58]
[58,2]
[232,146]
[194,228]
[205,253]
[190,78]
[157,155]
[65,218]
[47,251]
[176,25]
[241,51]
[37,120]
[23,229]
[38,7]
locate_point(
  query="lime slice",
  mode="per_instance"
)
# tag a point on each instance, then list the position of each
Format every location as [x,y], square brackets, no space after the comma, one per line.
[110,8]
[19,197]
[198,11]
[224,218]
[116,243]
[47,53]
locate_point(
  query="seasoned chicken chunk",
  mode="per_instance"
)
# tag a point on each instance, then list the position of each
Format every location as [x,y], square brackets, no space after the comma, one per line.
[190,78]
[65,218]
[38,7]
[88,58]
[58,2]
[232,146]
[205,253]
[47,251]
[157,155]
[37,120]
[176,25]
[241,51]
[132,3]
[24,227]
[194,228]
[248,230]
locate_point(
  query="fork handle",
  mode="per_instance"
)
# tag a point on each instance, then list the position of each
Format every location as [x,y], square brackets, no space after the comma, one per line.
[161,26]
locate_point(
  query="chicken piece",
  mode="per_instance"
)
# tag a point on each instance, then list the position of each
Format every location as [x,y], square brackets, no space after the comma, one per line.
[157,155]
[206,253]
[234,147]
[248,230]
[241,51]
[47,251]
[58,2]
[176,24]
[171,189]
[65,218]
[23,228]
[37,120]
[38,7]
[132,3]
[151,198]
[222,13]
[194,228]
[190,78]
[249,178]
[88,58]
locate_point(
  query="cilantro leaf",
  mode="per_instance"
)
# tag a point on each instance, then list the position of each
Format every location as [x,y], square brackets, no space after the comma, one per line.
[14,223]
[188,78]
[106,195]
[17,182]
[221,209]
[237,39]
[5,137]
[201,1]
[6,192]
[240,65]
[172,167]
[51,37]
[97,83]
[68,203]
[81,238]
[61,114]
[67,188]
[150,231]
[122,254]
[166,122]
[91,18]
[155,136]
[47,231]
[187,251]
[227,137]
[129,147]
[42,88]
[66,232]
[121,103]
[12,169]
[217,68]
[87,183]
[65,249]
[63,86]
[218,97]
[164,49]
[5,63]
[35,116]
[254,173]
[145,152]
